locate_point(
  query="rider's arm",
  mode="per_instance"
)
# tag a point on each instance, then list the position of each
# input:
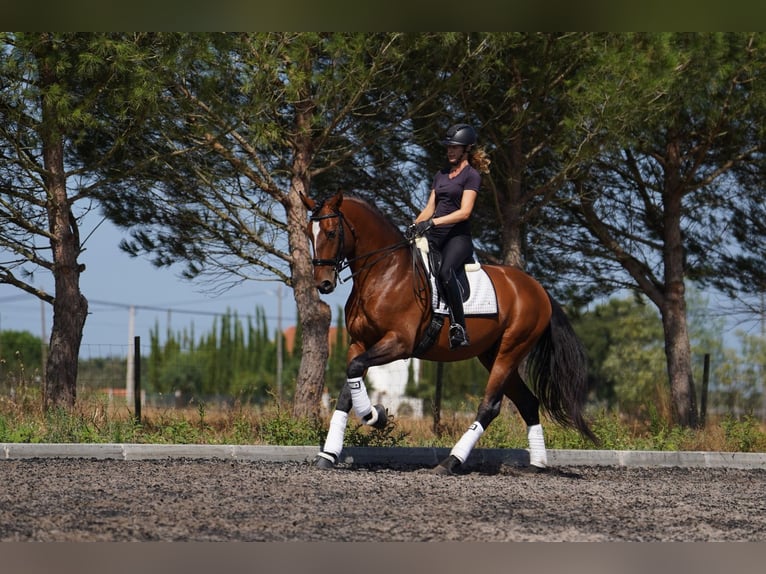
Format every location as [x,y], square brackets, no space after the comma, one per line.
[429,209]
[464,212]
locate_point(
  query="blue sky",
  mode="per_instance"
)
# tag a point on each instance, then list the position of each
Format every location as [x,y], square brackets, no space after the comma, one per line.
[113,281]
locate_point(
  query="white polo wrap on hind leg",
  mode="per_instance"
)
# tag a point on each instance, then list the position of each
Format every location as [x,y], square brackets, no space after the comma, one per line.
[537,454]
[360,400]
[465,445]
[333,444]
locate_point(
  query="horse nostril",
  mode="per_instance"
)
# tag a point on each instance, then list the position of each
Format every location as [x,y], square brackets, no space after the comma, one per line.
[326,287]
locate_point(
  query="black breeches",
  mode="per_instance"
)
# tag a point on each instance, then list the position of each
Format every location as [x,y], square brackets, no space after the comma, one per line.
[455,252]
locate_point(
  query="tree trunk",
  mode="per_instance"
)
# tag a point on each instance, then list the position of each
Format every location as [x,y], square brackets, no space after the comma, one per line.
[673,308]
[70,308]
[513,231]
[313,313]
[678,354]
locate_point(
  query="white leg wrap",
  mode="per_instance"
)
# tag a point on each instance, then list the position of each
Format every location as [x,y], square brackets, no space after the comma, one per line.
[334,441]
[466,443]
[537,453]
[360,400]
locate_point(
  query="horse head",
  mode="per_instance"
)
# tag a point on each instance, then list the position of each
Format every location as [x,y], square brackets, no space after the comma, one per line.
[331,238]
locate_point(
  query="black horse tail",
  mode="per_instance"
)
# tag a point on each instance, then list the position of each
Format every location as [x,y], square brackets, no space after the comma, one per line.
[557,370]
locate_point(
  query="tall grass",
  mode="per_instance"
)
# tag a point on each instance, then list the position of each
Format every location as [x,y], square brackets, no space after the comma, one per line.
[96,420]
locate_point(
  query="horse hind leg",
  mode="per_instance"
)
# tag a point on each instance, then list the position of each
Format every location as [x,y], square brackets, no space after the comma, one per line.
[528,406]
[488,410]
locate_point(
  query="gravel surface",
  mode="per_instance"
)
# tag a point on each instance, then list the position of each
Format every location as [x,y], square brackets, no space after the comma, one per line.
[214,500]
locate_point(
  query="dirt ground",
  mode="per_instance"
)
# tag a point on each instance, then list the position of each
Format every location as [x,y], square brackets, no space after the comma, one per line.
[213,500]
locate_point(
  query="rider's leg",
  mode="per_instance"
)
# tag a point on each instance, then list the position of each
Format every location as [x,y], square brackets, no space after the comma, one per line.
[455,252]
[457,334]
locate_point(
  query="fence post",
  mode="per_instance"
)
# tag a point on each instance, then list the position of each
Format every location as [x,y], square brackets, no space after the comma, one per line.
[703,395]
[137,377]
[438,398]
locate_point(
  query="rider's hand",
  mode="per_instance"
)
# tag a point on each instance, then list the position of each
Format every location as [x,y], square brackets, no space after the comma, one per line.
[418,229]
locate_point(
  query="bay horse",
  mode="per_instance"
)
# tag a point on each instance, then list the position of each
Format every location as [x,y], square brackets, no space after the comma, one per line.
[389,317]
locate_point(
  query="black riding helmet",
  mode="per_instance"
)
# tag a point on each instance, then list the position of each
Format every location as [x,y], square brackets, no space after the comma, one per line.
[460,134]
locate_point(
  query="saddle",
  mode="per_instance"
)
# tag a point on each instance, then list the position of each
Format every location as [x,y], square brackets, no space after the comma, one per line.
[435,262]
[476,288]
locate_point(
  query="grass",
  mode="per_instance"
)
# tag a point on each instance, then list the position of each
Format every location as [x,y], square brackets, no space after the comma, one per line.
[95,420]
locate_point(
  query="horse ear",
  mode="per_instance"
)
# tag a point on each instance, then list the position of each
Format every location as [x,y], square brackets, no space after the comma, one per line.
[308,202]
[336,200]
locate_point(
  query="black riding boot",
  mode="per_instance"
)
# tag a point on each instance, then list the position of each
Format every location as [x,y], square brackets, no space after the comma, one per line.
[457,333]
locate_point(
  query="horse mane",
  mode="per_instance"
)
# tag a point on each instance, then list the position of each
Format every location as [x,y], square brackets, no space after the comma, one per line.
[365,204]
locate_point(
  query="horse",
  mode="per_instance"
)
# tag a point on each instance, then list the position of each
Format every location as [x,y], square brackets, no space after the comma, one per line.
[389,316]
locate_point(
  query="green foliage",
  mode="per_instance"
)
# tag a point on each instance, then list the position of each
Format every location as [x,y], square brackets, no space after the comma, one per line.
[20,359]
[335,377]
[280,427]
[234,359]
[744,435]
[21,430]
[460,381]
[65,427]
[507,431]
[92,421]
[739,379]
[663,436]
[624,344]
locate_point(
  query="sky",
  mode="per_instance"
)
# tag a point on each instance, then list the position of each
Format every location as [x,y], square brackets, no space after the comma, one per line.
[113,281]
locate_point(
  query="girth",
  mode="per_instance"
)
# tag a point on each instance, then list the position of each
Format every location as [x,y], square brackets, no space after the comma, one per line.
[430,336]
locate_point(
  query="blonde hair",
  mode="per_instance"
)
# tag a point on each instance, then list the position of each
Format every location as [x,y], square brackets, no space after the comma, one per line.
[479,160]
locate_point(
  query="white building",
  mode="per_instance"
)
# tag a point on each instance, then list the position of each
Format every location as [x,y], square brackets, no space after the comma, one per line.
[387,384]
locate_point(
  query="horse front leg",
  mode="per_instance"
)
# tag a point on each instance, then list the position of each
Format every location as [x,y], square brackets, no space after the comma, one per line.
[328,457]
[352,395]
[374,416]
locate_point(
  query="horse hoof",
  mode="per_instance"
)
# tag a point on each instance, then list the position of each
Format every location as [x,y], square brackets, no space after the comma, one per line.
[440,470]
[382,418]
[447,466]
[323,463]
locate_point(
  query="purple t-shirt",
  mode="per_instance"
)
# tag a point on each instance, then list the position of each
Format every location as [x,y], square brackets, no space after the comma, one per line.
[449,194]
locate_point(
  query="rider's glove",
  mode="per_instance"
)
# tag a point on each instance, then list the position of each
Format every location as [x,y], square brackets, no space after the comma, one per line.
[418,229]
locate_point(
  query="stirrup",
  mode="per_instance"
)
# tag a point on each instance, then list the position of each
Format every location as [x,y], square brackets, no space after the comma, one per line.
[457,336]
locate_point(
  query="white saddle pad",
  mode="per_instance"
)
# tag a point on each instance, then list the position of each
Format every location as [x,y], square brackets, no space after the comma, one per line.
[481,301]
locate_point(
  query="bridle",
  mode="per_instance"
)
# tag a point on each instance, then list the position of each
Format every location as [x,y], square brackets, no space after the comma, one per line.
[339,262]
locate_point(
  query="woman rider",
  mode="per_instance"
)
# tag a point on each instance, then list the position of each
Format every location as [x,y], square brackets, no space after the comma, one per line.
[445,220]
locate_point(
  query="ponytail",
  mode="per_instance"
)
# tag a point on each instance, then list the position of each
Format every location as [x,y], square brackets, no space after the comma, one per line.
[479,160]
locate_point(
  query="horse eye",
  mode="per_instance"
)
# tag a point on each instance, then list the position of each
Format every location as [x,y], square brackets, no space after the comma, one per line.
[331,234]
